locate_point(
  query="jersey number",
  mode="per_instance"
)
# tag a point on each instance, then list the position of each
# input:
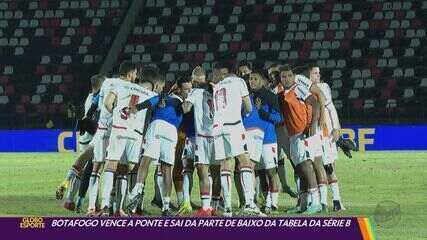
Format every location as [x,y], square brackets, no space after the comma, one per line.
[125,112]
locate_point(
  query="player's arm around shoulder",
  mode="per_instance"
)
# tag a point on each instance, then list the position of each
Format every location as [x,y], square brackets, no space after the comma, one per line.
[147,104]
[188,102]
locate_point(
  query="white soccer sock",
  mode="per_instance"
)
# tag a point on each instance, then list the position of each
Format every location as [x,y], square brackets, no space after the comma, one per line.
[107,186]
[257,187]
[74,188]
[268,200]
[139,188]
[315,196]
[275,199]
[246,176]
[93,189]
[186,186]
[160,184]
[323,194]
[121,190]
[297,183]
[335,191]
[166,202]
[226,187]
[206,200]
[72,172]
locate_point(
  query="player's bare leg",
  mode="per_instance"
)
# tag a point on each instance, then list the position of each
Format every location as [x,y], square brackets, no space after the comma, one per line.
[322,181]
[238,184]
[281,170]
[72,180]
[84,185]
[107,186]
[187,172]
[205,195]
[121,188]
[94,187]
[167,183]
[158,183]
[273,190]
[132,174]
[136,196]
[261,188]
[225,172]
[178,179]
[216,187]
[302,193]
[309,175]
[333,183]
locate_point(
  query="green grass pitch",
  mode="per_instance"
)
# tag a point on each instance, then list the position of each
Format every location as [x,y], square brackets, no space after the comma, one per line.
[28,183]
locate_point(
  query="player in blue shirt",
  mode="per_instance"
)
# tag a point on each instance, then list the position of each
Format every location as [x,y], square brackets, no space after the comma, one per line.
[160,141]
[267,106]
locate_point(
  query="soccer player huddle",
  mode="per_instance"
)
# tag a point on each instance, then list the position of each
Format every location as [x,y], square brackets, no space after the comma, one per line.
[241,125]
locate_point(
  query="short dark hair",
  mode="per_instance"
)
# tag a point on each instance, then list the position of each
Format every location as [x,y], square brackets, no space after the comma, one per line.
[224,64]
[126,67]
[182,79]
[260,72]
[146,82]
[244,63]
[96,80]
[273,65]
[151,74]
[311,66]
[286,67]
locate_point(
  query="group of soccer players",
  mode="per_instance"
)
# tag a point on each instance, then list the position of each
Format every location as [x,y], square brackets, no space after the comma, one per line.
[253,119]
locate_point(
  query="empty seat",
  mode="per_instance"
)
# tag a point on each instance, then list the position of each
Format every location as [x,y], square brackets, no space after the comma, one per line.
[354,93]
[408,93]
[368,104]
[4,99]
[58,98]
[35,99]
[41,89]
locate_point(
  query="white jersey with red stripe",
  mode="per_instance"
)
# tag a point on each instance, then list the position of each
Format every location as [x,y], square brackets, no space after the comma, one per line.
[129,94]
[227,99]
[105,117]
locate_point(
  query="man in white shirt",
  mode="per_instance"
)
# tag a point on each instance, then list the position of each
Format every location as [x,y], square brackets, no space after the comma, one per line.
[229,94]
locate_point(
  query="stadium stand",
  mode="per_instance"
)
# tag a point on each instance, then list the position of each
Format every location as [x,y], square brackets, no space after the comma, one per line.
[49,50]
[371,52]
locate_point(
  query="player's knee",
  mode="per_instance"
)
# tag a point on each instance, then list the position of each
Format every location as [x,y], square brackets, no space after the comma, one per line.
[202,171]
[97,167]
[243,158]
